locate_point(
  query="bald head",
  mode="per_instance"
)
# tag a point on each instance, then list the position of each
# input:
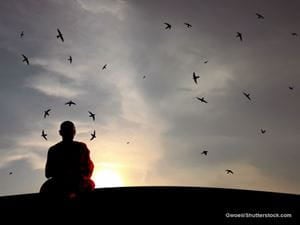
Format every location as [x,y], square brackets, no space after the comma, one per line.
[67,130]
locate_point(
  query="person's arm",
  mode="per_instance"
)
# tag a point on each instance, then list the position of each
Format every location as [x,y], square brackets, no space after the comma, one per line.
[86,165]
[49,171]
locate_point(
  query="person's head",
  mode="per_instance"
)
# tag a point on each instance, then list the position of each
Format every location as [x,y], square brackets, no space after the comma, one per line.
[67,130]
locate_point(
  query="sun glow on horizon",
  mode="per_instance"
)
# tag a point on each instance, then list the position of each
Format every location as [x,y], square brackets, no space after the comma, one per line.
[108,177]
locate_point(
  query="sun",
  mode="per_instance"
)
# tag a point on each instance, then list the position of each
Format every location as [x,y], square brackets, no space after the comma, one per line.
[107,178]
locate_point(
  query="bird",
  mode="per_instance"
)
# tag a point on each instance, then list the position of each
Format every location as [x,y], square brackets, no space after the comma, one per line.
[46,113]
[195,77]
[204,152]
[206,61]
[247,95]
[188,25]
[25,59]
[127,142]
[104,67]
[70,59]
[201,99]
[229,171]
[259,16]
[92,115]
[168,26]
[291,88]
[10,173]
[22,34]
[262,131]
[44,135]
[144,77]
[60,35]
[70,103]
[294,34]
[93,135]
[239,35]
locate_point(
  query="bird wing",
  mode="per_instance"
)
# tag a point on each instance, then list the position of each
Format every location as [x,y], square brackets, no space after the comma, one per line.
[194,77]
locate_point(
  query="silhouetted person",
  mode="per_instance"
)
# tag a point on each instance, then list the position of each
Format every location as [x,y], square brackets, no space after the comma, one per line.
[68,167]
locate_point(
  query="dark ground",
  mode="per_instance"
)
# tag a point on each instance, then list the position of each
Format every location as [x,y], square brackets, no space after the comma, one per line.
[155,205]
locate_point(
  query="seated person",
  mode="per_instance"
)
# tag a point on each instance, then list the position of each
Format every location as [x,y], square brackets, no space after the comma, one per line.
[68,167]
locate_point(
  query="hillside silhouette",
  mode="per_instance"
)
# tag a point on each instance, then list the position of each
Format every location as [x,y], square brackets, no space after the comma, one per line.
[184,205]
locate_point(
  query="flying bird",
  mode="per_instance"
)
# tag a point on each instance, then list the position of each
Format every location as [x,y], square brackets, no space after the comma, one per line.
[70,103]
[92,115]
[44,135]
[46,113]
[291,88]
[10,173]
[247,95]
[204,153]
[70,59]
[144,77]
[195,78]
[188,25]
[201,99]
[294,34]
[104,67]
[229,171]
[25,59]
[259,16]
[206,61]
[262,131]
[168,26]
[239,35]
[127,142]
[22,34]
[93,135]
[60,35]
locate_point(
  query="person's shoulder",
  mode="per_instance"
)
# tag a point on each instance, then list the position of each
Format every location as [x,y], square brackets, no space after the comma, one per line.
[81,144]
[54,148]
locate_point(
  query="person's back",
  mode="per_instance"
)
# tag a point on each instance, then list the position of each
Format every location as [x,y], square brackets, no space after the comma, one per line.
[68,167]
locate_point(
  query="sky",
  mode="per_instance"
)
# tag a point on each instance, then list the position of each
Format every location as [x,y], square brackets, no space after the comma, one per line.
[152,130]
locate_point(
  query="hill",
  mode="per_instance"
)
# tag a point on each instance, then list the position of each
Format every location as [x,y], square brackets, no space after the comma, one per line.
[183,205]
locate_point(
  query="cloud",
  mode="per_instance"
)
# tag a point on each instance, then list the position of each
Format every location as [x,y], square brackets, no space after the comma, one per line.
[115,7]
[167,128]
[19,181]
